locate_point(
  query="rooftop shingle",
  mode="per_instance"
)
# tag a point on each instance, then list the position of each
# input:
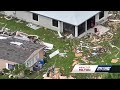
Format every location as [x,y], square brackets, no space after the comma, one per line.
[18,54]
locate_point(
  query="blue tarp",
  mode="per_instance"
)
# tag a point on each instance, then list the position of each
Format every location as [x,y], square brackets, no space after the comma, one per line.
[39,65]
[41,62]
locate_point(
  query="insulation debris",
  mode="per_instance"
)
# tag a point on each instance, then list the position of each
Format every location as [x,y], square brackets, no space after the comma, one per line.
[54,53]
[16,43]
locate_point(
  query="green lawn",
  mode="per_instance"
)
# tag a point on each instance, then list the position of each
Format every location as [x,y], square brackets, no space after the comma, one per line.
[50,37]
[3,77]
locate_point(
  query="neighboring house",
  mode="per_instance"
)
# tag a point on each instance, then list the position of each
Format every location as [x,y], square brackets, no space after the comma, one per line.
[4,62]
[71,22]
[28,53]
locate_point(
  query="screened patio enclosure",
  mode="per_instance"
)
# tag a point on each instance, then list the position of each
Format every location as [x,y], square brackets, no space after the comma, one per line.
[68,29]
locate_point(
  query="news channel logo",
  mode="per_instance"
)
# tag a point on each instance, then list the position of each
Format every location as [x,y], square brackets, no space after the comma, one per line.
[90,69]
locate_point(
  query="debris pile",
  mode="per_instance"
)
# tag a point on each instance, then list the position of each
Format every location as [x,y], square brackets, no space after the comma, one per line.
[26,37]
[54,73]
[48,45]
[33,26]
[75,62]
[8,17]
[19,21]
[91,49]
[20,35]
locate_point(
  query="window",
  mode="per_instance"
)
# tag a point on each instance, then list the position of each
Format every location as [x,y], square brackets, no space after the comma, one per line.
[91,23]
[32,62]
[101,14]
[36,58]
[10,66]
[35,17]
[55,23]
[28,63]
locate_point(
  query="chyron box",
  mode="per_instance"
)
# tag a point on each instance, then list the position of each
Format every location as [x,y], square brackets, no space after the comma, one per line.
[84,69]
[96,69]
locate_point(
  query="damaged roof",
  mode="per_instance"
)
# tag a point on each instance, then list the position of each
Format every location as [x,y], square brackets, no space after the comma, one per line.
[71,17]
[18,54]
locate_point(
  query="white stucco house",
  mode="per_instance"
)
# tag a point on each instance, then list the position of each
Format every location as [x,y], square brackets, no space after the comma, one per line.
[74,22]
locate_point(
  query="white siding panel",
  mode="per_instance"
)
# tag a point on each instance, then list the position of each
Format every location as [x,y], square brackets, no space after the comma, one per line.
[105,16]
[47,22]
[8,13]
[24,15]
[97,18]
[61,26]
[42,21]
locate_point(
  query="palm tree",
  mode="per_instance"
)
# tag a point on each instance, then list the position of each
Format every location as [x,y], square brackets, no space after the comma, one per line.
[5,70]
[20,70]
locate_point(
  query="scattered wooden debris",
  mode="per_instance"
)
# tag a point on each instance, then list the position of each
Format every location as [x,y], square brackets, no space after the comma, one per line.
[70,77]
[62,69]
[75,62]
[92,62]
[78,54]
[99,77]
[33,26]
[19,21]
[84,59]
[48,45]
[99,46]
[63,54]
[95,40]
[108,51]
[47,78]
[74,50]
[21,35]
[114,60]
[60,36]
[63,77]
[54,73]
[101,59]
[113,46]
[66,51]
[70,36]
[117,54]
[2,30]
[114,20]
[8,17]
